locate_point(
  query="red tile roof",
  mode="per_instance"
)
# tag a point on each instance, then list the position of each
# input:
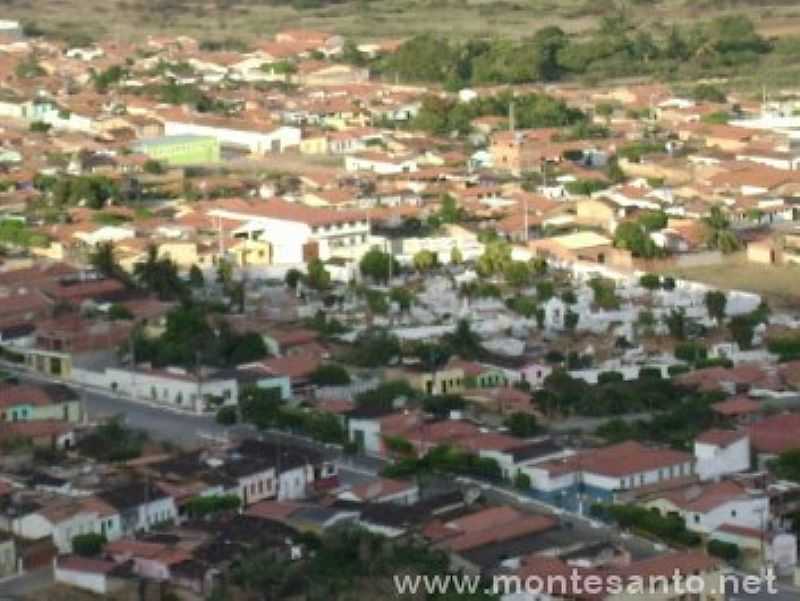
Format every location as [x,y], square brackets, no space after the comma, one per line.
[739,405]
[776,434]
[720,438]
[624,459]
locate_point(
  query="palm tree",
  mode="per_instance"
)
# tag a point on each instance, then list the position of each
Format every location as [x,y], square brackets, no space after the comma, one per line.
[719,234]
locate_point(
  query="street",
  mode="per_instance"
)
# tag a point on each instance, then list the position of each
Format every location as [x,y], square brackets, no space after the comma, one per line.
[30,582]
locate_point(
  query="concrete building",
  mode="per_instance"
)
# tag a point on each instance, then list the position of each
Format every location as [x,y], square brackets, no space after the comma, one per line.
[181,150]
[721,452]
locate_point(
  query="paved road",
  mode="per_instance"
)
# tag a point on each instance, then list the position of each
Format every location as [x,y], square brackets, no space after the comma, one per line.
[30,582]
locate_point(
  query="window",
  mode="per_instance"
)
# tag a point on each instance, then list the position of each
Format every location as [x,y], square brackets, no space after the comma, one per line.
[696,518]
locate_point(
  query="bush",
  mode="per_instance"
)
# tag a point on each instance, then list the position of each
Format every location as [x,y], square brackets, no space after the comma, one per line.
[227,416]
[668,283]
[88,545]
[727,551]
[676,370]
[651,281]
[691,352]
[650,373]
[610,376]
[330,375]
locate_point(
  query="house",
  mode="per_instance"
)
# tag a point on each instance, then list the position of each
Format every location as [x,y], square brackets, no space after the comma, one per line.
[141,506]
[379,163]
[197,392]
[180,150]
[62,519]
[256,138]
[738,410]
[706,507]
[490,526]
[448,379]
[319,73]
[383,490]
[367,427]
[721,452]
[598,474]
[30,402]
[98,576]
[774,435]
[477,375]
[296,233]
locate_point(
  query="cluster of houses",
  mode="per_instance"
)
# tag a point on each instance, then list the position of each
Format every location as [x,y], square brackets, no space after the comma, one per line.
[284,156]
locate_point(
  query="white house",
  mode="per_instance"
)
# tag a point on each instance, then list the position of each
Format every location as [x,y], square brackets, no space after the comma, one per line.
[65,519]
[598,474]
[380,163]
[296,232]
[255,138]
[706,507]
[721,452]
[141,506]
[93,575]
[173,386]
[383,490]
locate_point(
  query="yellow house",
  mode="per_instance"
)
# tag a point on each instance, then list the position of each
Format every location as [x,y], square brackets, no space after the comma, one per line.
[448,380]
[599,211]
[314,144]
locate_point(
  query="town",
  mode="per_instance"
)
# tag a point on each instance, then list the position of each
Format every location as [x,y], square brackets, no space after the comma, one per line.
[285,319]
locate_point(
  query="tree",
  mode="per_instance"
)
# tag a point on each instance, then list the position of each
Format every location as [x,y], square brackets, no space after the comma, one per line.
[377,265]
[522,425]
[632,236]
[787,465]
[517,274]
[318,277]
[293,277]
[159,275]
[716,301]
[456,258]
[374,347]
[212,504]
[571,320]
[522,481]
[330,374]
[718,233]
[227,415]
[650,281]
[495,258]
[424,261]
[153,167]
[89,544]
[742,329]
[103,259]
[676,323]
[196,278]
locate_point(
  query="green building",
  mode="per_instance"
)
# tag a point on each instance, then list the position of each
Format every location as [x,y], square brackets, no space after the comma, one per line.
[181,150]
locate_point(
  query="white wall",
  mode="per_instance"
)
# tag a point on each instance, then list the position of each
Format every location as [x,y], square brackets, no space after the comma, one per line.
[87,581]
[372,434]
[714,462]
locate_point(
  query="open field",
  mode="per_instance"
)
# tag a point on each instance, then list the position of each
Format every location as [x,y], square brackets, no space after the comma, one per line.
[779,285]
[132,19]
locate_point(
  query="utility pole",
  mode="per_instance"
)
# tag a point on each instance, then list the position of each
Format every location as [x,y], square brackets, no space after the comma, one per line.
[512,126]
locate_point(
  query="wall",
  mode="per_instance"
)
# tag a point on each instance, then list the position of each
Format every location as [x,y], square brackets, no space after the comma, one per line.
[87,581]
[714,462]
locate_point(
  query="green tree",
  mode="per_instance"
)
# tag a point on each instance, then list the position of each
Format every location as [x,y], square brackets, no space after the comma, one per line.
[424,261]
[318,277]
[787,465]
[716,301]
[718,231]
[456,258]
[522,425]
[89,544]
[330,374]
[377,265]
[196,278]
[650,281]
[742,329]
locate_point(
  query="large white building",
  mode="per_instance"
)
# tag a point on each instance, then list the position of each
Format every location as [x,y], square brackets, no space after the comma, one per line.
[721,452]
[297,233]
[252,138]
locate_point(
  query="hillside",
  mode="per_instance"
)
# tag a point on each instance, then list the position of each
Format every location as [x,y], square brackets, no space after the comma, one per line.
[246,19]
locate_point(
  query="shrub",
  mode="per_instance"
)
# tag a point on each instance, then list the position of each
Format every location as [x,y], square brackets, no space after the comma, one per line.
[691,352]
[652,373]
[609,376]
[727,551]
[88,545]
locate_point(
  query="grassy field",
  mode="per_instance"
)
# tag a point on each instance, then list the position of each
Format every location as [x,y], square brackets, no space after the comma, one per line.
[247,19]
[779,285]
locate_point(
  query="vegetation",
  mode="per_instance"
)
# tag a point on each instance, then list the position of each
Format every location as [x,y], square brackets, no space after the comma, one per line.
[113,442]
[210,505]
[670,529]
[330,375]
[445,459]
[727,551]
[191,340]
[787,465]
[88,545]
[522,425]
